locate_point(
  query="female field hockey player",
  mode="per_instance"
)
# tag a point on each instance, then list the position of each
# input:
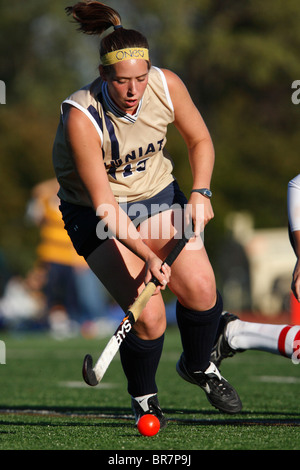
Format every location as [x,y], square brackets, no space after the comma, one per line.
[120,204]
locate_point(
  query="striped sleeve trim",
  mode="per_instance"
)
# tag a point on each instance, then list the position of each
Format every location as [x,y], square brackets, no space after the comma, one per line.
[87,113]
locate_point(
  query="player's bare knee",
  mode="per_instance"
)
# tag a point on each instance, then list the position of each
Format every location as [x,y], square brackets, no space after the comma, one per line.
[151,324]
[201,294]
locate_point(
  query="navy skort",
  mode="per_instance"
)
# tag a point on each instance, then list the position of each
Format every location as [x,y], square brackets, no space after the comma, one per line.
[81,221]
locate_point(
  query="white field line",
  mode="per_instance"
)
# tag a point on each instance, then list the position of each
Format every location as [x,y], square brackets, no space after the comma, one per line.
[276,379]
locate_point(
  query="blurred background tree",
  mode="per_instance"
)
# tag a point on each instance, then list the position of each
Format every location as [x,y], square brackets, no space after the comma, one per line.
[238,59]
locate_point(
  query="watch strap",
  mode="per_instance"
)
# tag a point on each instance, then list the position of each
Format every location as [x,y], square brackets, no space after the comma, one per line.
[204,191]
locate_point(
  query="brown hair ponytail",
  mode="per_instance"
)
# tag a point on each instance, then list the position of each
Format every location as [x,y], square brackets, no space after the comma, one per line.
[95,18]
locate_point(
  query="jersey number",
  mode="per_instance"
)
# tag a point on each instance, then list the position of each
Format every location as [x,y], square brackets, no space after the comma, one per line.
[140,166]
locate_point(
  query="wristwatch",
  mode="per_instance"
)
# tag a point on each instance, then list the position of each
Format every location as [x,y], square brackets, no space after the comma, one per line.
[204,191]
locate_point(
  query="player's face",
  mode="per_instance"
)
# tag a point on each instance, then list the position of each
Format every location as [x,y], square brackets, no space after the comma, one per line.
[127,83]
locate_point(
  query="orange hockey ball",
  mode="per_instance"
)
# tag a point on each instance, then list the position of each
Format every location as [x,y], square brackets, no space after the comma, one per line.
[148,425]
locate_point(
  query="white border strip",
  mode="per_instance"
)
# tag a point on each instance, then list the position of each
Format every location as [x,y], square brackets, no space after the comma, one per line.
[164,80]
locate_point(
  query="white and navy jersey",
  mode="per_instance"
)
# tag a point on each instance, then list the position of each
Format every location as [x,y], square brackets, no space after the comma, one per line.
[137,165]
[293,203]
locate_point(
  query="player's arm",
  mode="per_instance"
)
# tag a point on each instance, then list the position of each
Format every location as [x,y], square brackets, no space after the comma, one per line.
[296,273]
[192,127]
[85,146]
[293,207]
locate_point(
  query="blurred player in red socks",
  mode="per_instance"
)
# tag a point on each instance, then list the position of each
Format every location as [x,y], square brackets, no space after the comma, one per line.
[110,148]
[235,335]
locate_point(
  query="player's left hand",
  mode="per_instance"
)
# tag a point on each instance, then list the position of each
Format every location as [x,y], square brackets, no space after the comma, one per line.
[199,211]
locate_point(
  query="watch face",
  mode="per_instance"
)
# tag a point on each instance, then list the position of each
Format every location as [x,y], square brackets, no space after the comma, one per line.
[207,193]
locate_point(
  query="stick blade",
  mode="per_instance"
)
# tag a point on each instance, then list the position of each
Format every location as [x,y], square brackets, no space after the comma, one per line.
[88,371]
[106,357]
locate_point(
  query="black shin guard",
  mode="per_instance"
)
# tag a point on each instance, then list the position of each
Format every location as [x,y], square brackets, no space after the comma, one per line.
[198,331]
[140,359]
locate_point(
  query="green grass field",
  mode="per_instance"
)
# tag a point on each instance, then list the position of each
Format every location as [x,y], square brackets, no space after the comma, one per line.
[45,405]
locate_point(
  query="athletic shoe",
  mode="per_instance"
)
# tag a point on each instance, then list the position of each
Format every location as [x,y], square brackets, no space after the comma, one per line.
[219,392]
[149,405]
[221,349]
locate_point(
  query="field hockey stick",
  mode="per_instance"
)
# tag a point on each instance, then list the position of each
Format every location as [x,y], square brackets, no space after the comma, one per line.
[93,375]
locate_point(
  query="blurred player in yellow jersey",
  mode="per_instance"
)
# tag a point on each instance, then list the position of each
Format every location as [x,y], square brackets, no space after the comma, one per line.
[73,292]
[54,245]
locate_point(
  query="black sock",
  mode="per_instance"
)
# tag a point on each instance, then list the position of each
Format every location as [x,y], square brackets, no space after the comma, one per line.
[198,331]
[140,359]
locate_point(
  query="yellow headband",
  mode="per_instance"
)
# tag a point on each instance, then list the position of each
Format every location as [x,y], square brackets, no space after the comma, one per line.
[125,54]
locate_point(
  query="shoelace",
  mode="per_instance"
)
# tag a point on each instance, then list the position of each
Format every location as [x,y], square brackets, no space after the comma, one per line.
[154,408]
[221,385]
